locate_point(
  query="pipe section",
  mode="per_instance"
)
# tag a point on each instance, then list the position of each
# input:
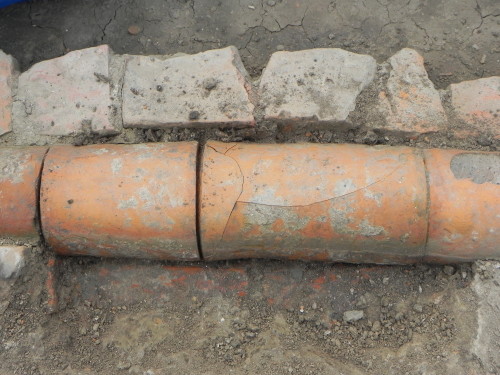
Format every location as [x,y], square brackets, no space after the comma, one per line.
[20,170]
[335,202]
[121,200]
[345,203]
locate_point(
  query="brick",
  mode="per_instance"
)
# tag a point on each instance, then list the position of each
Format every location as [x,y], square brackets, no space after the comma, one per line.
[409,103]
[69,95]
[319,85]
[8,75]
[209,88]
[476,104]
[12,260]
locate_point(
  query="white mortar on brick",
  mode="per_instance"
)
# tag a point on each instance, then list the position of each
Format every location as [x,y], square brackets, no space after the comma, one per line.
[318,85]
[209,88]
[68,95]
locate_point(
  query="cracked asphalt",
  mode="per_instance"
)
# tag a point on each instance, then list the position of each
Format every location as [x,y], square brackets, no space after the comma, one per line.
[459,39]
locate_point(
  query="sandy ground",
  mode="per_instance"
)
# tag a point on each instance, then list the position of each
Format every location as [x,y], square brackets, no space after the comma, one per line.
[247,317]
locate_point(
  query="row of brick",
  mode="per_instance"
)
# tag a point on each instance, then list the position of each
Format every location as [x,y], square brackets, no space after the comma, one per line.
[346,203]
[97,92]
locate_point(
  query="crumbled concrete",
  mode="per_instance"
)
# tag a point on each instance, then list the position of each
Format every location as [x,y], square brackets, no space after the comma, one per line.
[487,287]
[8,76]
[68,95]
[11,261]
[209,88]
[318,85]
[409,103]
[476,104]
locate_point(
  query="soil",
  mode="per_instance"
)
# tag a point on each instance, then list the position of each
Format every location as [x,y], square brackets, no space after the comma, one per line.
[416,319]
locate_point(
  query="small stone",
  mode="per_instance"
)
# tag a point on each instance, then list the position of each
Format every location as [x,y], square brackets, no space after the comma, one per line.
[123,366]
[271,3]
[209,84]
[376,326]
[449,270]
[95,327]
[11,261]
[483,59]
[134,30]
[418,308]
[331,36]
[194,115]
[370,138]
[384,301]
[385,281]
[280,47]
[314,306]
[353,316]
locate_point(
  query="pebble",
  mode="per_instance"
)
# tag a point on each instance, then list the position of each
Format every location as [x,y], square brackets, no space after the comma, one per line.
[483,59]
[82,331]
[280,47]
[271,3]
[385,280]
[418,308]
[331,36]
[353,315]
[194,115]
[210,84]
[134,30]
[449,270]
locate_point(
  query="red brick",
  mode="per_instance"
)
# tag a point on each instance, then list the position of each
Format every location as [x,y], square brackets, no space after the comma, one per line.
[476,105]
[318,86]
[68,95]
[8,74]
[409,103]
[207,89]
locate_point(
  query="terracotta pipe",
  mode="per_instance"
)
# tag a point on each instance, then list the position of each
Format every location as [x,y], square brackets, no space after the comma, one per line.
[349,203]
[20,170]
[346,203]
[121,200]
[343,203]
[464,192]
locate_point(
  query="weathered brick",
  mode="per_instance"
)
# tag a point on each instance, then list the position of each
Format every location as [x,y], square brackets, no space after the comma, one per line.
[11,261]
[8,74]
[68,95]
[209,88]
[319,85]
[409,103]
[476,104]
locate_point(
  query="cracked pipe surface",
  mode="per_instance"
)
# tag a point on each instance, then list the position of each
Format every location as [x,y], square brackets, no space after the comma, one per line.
[329,202]
[313,202]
